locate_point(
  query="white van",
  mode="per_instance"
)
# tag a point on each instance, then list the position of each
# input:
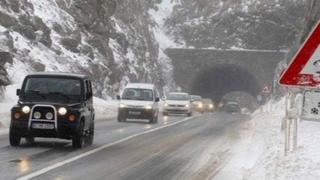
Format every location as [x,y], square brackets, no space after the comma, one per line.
[139,101]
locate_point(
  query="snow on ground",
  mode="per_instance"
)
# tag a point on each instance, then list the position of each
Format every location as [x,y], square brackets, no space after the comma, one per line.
[261,154]
[105,109]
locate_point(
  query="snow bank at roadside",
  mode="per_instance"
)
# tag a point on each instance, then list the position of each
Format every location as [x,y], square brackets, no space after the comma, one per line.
[261,154]
[105,109]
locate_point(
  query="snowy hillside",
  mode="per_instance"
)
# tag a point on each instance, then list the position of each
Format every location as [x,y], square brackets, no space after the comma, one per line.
[100,40]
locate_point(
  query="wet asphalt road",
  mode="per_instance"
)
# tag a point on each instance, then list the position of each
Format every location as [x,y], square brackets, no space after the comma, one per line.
[185,148]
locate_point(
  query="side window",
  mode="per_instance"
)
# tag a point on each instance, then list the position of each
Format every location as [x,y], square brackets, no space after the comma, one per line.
[87,86]
[90,86]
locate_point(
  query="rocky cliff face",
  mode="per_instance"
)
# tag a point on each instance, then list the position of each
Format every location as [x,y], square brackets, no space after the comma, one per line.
[111,41]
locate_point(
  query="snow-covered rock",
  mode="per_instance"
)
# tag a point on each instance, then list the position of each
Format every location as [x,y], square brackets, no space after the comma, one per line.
[111,41]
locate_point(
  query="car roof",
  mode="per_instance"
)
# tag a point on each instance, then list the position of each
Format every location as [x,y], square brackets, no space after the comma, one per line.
[140,85]
[183,93]
[232,102]
[196,96]
[81,76]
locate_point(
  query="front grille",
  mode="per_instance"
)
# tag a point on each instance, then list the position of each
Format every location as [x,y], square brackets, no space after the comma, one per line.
[173,105]
[135,106]
[43,111]
[42,122]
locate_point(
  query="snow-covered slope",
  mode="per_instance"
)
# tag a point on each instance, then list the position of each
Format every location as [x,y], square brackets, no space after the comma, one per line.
[114,42]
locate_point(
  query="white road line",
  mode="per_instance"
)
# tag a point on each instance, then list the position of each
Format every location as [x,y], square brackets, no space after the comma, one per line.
[62,163]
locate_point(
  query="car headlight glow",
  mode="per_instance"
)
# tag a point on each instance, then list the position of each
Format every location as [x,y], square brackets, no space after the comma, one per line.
[200,105]
[211,106]
[26,109]
[122,106]
[187,105]
[62,111]
[165,104]
[148,107]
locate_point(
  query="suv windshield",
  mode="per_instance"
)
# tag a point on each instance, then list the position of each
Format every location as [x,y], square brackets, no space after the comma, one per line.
[178,97]
[52,89]
[138,94]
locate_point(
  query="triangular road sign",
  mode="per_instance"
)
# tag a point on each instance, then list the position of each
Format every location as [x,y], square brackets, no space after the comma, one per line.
[304,69]
[266,90]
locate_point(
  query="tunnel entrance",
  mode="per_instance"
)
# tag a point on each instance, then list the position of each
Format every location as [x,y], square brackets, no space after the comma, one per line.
[219,81]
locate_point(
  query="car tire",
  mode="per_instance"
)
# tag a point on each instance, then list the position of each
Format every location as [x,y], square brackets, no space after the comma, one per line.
[122,118]
[30,140]
[154,119]
[14,138]
[90,135]
[78,137]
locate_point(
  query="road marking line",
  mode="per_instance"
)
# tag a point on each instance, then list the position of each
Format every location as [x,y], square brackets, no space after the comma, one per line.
[59,164]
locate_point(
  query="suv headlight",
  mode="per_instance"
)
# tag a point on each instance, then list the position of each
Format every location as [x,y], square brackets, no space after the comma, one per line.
[148,107]
[26,109]
[165,104]
[62,111]
[122,106]
[187,105]
[200,105]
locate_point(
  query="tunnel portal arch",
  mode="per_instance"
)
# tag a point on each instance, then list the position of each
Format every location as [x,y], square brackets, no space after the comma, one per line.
[218,81]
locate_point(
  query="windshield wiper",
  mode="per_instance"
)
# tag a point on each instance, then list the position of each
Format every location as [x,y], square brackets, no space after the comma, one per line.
[61,94]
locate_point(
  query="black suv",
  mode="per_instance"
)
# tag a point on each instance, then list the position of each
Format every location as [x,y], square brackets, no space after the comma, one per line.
[55,105]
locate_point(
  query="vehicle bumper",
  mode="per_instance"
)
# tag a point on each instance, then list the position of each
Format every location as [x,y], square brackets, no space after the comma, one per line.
[65,129]
[133,113]
[177,110]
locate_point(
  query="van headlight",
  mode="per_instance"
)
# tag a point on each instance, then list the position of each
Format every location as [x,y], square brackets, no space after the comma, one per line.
[122,106]
[148,107]
[200,105]
[211,106]
[187,105]
[26,109]
[62,111]
[165,104]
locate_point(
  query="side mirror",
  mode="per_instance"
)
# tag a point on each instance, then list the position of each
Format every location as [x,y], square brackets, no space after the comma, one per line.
[118,97]
[18,92]
[163,98]
[157,99]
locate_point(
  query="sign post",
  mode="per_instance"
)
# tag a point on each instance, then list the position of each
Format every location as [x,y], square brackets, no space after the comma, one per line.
[303,71]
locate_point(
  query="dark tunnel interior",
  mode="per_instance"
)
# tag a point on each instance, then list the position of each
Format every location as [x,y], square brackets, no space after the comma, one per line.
[219,81]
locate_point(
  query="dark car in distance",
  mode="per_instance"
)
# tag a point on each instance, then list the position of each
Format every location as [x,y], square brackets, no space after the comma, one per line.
[230,107]
[53,105]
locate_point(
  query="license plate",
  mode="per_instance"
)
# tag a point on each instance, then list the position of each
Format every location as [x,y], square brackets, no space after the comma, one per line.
[42,126]
[134,112]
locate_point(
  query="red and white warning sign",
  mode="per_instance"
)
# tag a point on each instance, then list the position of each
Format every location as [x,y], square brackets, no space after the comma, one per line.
[304,69]
[266,90]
